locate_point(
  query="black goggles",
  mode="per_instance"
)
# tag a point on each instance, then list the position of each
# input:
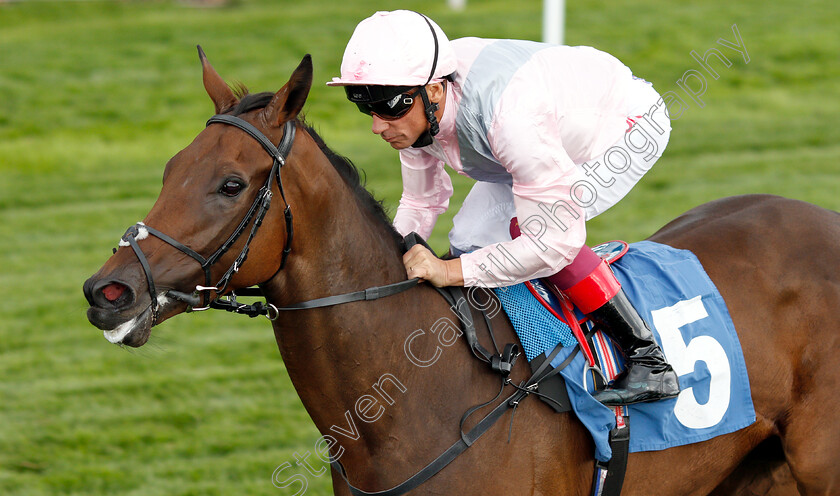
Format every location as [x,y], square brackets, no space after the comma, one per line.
[387,102]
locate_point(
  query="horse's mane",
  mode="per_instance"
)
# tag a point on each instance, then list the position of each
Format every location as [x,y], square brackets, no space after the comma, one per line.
[348,171]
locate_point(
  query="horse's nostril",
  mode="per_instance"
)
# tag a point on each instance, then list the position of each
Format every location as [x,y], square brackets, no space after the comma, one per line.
[113,291]
[109,294]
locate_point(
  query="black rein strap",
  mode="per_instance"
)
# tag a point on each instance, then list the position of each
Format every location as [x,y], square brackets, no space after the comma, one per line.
[373,293]
[272,312]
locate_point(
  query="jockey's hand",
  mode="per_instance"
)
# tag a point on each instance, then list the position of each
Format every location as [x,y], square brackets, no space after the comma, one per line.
[420,262]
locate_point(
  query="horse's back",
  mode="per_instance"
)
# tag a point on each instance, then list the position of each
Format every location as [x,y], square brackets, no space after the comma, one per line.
[751,221]
[773,259]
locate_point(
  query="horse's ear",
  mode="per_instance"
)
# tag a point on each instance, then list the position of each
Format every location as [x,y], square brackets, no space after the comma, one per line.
[221,94]
[288,102]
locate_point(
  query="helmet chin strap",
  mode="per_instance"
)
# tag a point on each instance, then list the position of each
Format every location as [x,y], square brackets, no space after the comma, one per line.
[429,109]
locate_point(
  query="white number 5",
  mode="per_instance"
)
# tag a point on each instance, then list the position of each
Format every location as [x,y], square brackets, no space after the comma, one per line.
[682,357]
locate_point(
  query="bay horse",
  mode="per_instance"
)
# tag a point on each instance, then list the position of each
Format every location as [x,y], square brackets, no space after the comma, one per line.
[388,409]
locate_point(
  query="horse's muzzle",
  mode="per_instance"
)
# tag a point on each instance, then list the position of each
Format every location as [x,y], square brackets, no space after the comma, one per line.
[114,309]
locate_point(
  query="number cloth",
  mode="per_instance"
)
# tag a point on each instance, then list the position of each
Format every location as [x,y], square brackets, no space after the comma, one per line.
[690,320]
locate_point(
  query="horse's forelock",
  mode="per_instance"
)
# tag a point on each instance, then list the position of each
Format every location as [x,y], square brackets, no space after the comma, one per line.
[248,102]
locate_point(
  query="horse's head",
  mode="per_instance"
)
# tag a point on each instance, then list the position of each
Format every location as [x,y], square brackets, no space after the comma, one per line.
[215,191]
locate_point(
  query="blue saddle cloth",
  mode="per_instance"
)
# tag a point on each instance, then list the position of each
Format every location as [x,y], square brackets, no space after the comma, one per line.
[690,320]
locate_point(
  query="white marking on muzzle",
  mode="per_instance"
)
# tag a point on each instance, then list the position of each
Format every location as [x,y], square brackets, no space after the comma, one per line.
[142,233]
[117,334]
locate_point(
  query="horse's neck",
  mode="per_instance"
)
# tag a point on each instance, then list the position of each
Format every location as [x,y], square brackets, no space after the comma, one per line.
[339,247]
[342,249]
[377,376]
[386,381]
[348,362]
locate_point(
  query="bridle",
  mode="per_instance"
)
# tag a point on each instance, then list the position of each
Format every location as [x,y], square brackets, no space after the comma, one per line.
[257,212]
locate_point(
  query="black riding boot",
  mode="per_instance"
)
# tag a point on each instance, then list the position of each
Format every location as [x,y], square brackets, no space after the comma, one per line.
[648,377]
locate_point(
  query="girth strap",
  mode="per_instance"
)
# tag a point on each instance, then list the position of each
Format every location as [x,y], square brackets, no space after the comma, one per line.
[609,476]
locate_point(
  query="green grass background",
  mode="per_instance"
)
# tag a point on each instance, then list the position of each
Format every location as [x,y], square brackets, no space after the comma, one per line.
[96,96]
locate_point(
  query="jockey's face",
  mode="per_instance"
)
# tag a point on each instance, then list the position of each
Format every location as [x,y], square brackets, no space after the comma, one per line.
[403,132]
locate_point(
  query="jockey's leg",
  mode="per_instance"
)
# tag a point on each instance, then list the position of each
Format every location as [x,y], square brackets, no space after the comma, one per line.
[591,285]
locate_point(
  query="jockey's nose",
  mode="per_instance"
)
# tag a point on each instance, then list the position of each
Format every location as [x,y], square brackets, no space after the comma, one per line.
[379,125]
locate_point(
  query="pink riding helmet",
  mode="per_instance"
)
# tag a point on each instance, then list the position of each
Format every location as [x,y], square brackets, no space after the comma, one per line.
[396,49]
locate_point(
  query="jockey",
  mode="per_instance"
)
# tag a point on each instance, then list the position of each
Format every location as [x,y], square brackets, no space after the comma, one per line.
[553,135]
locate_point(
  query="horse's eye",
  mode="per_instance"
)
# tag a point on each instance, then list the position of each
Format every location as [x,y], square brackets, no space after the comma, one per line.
[231,188]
